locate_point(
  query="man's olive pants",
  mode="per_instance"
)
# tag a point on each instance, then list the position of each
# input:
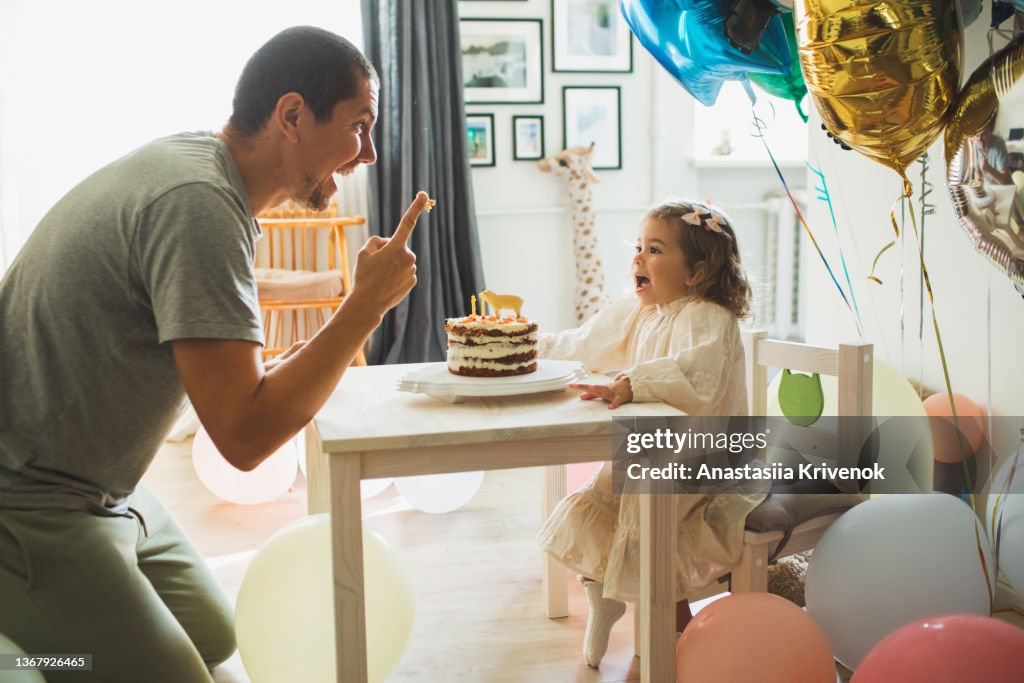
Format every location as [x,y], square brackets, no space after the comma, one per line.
[131,591]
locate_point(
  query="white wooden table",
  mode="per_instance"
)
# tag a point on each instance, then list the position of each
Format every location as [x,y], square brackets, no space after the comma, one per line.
[369,430]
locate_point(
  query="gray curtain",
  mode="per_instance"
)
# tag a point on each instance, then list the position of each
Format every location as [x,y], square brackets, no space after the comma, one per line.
[421,145]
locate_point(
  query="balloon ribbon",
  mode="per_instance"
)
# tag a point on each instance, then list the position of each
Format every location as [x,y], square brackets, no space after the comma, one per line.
[949,389]
[760,125]
[998,507]
[823,195]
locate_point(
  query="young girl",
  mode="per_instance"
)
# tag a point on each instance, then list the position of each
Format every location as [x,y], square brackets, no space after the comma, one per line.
[677,342]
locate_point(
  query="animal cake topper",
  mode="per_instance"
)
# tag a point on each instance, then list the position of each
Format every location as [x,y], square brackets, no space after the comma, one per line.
[498,303]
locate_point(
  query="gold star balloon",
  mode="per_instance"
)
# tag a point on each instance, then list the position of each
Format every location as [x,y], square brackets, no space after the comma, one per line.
[883,75]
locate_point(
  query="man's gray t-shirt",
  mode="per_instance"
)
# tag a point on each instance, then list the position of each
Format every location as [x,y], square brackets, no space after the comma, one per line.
[157,246]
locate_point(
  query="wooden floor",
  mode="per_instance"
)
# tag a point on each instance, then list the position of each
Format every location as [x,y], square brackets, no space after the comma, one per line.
[477,577]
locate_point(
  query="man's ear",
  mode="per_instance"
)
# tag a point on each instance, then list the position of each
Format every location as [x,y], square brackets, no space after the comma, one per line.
[287,114]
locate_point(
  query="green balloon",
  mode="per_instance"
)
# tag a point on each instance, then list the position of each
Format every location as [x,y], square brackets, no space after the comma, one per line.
[788,86]
[801,398]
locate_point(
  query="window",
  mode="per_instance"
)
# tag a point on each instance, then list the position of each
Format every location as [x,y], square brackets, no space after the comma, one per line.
[83,83]
[726,130]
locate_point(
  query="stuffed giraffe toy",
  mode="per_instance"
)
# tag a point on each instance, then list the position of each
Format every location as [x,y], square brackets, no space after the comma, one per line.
[574,165]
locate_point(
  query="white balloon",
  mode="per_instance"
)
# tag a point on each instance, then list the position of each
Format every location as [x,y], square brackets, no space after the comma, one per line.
[892,560]
[284,619]
[373,487]
[269,481]
[439,493]
[1005,514]
[9,647]
[368,487]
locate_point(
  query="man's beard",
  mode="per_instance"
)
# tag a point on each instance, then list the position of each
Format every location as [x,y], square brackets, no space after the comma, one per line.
[317,198]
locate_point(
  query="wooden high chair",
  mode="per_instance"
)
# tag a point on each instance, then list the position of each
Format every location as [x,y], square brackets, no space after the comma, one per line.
[302,272]
[784,523]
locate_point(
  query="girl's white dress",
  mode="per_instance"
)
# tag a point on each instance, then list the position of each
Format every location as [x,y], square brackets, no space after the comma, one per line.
[687,353]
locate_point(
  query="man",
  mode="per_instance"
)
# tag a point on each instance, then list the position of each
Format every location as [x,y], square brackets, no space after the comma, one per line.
[136,287]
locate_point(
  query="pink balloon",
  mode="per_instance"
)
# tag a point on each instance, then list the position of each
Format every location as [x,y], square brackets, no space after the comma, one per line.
[947,649]
[269,481]
[578,473]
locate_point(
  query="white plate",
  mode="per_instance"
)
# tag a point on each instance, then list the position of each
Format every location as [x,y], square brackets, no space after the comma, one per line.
[435,380]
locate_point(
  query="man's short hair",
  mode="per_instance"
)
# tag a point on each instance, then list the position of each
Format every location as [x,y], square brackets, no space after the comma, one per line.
[319,65]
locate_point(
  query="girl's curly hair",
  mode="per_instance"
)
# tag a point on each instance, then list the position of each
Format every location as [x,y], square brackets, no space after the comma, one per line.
[708,241]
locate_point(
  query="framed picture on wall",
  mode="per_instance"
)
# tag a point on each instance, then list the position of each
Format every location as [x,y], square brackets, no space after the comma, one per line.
[502,61]
[480,139]
[590,36]
[527,137]
[594,114]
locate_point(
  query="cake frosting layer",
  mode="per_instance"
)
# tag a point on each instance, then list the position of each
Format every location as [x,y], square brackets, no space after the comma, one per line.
[491,347]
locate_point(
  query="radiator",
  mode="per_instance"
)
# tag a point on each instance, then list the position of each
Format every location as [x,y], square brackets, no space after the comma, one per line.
[780,310]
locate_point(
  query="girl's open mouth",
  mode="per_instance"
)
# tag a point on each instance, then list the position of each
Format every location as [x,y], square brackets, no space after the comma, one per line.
[642,282]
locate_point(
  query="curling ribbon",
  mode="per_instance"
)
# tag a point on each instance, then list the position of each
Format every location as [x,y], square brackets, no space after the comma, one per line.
[760,125]
[823,195]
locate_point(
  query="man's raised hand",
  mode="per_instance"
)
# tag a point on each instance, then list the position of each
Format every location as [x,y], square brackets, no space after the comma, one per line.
[385,267]
[403,232]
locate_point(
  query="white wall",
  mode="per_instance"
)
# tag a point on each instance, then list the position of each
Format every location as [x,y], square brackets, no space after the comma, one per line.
[740,188]
[524,227]
[82,84]
[525,236]
[965,284]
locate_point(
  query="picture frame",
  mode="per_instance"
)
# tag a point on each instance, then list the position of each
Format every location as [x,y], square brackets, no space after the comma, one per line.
[594,114]
[502,60]
[590,36]
[527,138]
[480,139]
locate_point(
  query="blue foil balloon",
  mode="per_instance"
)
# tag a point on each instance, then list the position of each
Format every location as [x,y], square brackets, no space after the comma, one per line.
[688,38]
[1004,9]
[971,10]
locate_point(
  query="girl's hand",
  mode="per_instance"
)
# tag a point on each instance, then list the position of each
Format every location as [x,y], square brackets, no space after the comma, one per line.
[618,392]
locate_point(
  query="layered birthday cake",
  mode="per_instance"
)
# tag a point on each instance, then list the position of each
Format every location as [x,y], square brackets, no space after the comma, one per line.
[491,345]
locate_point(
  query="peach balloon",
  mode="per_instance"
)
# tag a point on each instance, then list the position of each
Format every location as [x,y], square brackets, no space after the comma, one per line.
[753,637]
[969,418]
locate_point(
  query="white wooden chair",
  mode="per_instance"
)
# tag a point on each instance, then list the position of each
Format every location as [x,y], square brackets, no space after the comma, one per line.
[852,364]
[785,524]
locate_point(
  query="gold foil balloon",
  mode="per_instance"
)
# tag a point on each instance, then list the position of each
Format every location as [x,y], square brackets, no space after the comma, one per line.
[985,159]
[883,75]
